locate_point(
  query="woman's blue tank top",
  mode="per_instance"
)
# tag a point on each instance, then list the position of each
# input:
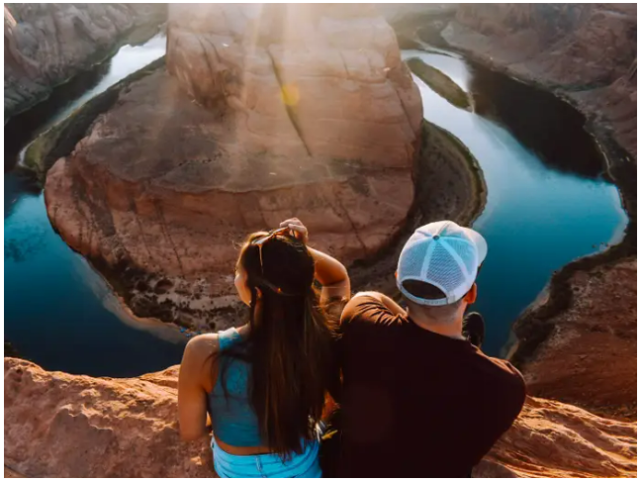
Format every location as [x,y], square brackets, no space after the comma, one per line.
[232,416]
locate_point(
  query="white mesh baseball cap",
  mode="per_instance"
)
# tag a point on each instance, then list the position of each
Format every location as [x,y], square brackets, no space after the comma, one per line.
[444,255]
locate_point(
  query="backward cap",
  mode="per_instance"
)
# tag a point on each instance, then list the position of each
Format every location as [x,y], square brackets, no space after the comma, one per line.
[444,255]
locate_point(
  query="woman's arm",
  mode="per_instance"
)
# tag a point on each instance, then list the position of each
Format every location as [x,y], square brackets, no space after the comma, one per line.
[330,272]
[192,396]
[333,276]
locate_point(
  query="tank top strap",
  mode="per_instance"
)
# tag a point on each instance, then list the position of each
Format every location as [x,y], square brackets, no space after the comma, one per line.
[228,338]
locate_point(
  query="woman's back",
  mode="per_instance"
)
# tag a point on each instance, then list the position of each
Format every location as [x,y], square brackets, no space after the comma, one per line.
[265,383]
[233,419]
[235,423]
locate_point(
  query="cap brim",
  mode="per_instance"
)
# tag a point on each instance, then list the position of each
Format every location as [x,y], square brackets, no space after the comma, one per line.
[480,242]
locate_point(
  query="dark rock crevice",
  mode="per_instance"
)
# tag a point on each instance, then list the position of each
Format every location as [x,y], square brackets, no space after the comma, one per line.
[284,89]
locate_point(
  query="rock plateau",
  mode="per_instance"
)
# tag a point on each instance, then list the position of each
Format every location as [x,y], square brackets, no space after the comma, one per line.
[253,121]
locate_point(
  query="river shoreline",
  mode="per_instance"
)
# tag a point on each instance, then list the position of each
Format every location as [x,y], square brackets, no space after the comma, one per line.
[60,140]
[448,181]
[135,36]
[449,185]
[540,323]
[187,304]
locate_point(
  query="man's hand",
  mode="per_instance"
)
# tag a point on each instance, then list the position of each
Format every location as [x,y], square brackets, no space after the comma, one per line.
[297,228]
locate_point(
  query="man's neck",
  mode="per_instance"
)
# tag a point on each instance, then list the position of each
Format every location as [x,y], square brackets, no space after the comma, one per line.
[452,329]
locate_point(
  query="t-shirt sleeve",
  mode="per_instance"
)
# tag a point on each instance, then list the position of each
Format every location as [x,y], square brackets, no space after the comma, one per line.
[508,394]
[364,308]
[512,390]
[515,394]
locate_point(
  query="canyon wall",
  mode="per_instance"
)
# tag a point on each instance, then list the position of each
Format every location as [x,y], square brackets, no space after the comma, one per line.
[64,425]
[47,44]
[586,53]
[263,113]
[589,356]
[578,344]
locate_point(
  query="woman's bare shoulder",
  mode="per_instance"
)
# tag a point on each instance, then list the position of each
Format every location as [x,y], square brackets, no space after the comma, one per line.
[202,346]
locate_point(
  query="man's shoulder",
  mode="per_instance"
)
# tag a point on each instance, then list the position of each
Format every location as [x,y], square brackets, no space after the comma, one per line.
[498,372]
[367,308]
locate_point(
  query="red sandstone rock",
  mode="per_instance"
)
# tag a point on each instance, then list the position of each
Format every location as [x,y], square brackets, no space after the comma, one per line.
[553,439]
[590,357]
[584,51]
[259,121]
[46,44]
[61,425]
[347,93]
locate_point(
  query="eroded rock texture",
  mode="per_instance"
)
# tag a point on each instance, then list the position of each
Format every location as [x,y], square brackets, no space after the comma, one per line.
[64,425]
[586,52]
[263,113]
[46,44]
[407,19]
[590,355]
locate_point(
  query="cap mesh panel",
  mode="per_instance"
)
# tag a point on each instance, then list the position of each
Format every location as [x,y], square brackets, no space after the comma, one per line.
[412,258]
[466,251]
[444,270]
[452,230]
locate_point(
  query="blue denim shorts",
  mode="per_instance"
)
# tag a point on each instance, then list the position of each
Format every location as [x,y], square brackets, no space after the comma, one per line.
[305,465]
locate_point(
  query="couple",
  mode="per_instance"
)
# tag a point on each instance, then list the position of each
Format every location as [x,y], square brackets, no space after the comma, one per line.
[416,396]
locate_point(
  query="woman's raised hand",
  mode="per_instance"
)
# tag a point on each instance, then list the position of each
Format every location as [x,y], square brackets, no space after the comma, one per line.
[297,228]
[329,271]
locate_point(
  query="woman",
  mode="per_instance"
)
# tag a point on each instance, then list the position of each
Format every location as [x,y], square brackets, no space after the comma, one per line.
[264,384]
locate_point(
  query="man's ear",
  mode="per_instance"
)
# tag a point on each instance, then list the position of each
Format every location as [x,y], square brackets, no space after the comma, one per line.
[472,295]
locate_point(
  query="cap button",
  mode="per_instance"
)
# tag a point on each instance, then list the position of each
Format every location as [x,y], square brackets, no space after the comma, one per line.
[436,237]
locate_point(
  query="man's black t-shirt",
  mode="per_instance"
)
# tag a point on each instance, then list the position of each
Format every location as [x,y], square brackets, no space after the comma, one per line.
[416,403]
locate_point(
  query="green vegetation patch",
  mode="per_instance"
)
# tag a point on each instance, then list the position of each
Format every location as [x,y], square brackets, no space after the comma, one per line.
[440,83]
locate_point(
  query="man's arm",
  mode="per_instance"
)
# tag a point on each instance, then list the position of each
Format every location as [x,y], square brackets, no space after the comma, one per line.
[507,403]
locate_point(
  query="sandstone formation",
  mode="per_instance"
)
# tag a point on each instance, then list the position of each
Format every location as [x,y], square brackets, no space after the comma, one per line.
[579,344]
[449,185]
[408,19]
[46,44]
[263,112]
[552,439]
[62,425]
[586,53]
[590,355]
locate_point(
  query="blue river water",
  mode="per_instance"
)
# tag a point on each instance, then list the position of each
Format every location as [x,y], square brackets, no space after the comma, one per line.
[539,215]
[59,312]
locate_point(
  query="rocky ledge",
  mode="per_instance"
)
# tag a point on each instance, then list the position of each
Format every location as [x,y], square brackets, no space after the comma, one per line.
[588,356]
[47,44]
[64,425]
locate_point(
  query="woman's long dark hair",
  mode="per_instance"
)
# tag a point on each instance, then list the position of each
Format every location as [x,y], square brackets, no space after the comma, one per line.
[289,345]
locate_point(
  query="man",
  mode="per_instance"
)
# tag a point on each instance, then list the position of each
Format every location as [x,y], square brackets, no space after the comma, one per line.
[419,399]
